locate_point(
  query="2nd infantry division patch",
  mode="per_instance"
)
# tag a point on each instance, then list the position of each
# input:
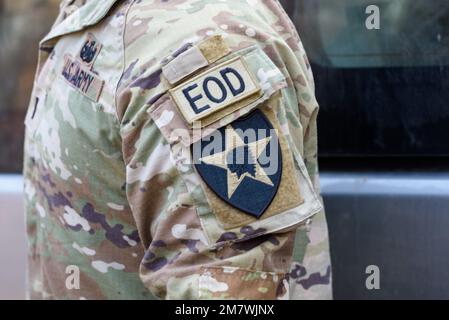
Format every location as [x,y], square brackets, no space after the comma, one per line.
[246,171]
[246,166]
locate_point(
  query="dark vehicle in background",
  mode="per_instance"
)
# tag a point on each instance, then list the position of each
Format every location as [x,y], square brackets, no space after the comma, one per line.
[384,141]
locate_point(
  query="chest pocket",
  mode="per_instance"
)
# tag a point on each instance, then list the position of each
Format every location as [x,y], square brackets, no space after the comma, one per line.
[228,135]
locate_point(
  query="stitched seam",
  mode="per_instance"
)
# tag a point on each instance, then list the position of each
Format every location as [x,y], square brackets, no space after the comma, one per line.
[123,59]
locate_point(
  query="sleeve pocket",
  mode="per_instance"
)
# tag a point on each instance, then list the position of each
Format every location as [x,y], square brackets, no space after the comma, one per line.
[222,219]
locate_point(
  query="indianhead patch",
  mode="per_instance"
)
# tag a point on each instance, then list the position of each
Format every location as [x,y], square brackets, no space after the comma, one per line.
[242,163]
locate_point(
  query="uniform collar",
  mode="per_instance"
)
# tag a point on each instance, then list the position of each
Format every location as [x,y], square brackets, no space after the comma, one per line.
[87,15]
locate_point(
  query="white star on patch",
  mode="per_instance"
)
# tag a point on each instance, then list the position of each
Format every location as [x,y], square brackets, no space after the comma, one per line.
[233,141]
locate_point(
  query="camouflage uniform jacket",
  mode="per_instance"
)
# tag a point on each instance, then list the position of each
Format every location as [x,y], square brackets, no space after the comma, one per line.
[117,209]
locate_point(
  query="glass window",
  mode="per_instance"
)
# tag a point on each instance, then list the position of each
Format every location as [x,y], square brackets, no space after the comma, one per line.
[22,24]
[382,92]
[412,33]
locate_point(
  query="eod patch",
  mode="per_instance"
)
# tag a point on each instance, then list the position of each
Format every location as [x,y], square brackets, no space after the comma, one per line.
[214,90]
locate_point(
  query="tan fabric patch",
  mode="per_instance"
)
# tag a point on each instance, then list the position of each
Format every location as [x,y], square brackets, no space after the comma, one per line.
[183,65]
[214,89]
[287,197]
[34,112]
[214,48]
[81,78]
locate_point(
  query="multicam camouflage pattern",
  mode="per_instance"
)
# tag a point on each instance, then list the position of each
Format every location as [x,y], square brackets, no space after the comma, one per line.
[108,192]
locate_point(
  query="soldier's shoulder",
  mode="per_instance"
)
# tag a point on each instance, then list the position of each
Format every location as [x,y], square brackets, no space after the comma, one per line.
[157,28]
[204,12]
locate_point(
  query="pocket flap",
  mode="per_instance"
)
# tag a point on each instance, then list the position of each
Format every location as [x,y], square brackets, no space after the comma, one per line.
[89,14]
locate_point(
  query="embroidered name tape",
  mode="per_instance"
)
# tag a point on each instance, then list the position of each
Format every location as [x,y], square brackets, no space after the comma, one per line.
[214,89]
[81,78]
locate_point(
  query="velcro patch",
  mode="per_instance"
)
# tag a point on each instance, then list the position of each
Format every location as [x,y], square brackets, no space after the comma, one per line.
[90,50]
[184,64]
[201,55]
[214,89]
[81,78]
[214,48]
[251,174]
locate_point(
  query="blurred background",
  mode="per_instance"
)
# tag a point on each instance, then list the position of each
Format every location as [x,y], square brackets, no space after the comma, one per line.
[22,24]
[383,138]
